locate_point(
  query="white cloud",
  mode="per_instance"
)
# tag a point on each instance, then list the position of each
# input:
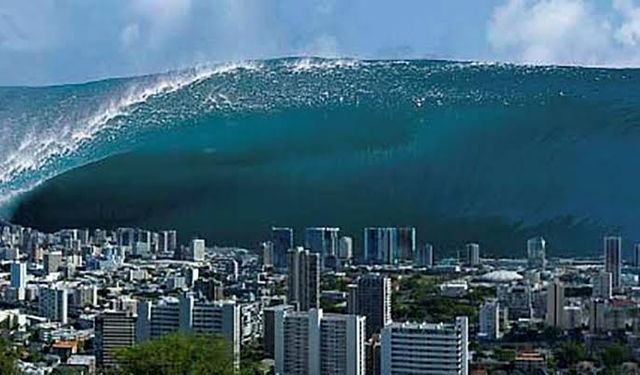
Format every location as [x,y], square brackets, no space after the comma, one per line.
[155,20]
[629,32]
[551,31]
[573,32]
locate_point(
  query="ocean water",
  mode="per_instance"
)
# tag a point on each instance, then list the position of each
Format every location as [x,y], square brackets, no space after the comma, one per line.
[465,152]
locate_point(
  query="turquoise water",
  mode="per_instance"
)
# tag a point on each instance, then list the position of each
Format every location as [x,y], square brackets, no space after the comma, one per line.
[490,153]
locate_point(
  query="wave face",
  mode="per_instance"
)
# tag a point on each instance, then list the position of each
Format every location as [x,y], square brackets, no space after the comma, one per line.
[462,151]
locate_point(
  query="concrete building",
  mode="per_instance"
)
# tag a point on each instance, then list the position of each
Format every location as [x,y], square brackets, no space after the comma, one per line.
[114,330]
[371,298]
[304,279]
[406,243]
[613,259]
[602,285]
[345,248]
[19,279]
[323,241]
[472,251]
[268,255]
[314,343]
[197,250]
[186,314]
[269,327]
[381,245]
[84,295]
[536,253]
[52,261]
[53,303]
[572,317]
[555,304]
[425,348]
[424,256]
[489,321]
[282,241]
[635,258]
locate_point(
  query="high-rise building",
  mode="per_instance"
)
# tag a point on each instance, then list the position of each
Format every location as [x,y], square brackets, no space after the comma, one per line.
[371,298]
[345,248]
[489,324]
[268,254]
[125,236]
[597,315]
[84,295]
[425,348]
[186,314]
[19,279]
[18,275]
[163,242]
[209,289]
[304,279]
[602,285]
[269,328]
[472,254]
[381,245]
[52,261]
[636,255]
[406,243]
[282,240]
[555,304]
[53,303]
[115,330]
[536,252]
[197,250]
[315,343]
[424,256]
[323,241]
[613,259]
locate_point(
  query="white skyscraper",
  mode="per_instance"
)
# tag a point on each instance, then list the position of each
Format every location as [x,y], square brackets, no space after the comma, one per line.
[489,327]
[425,348]
[345,248]
[314,343]
[613,259]
[555,304]
[602,285]
[196,250]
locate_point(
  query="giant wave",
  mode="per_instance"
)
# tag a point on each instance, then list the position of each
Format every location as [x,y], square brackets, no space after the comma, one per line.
[485,152]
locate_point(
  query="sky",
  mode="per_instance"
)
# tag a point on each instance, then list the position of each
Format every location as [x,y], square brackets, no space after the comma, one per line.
[46,42]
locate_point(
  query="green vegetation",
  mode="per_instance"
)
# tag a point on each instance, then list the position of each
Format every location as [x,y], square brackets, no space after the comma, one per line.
[8,356]
[419,299]
[570,353]
[614,356]
[332,282]
[504,355]
[178,354]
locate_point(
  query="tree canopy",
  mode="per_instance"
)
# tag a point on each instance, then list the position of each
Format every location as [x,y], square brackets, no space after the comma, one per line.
[178,354]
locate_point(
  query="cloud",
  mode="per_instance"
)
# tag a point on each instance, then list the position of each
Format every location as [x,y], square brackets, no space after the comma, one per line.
[155,20]
[550,31]
[571,32]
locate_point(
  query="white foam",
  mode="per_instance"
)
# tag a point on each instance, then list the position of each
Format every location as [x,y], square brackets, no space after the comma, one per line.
[71,131]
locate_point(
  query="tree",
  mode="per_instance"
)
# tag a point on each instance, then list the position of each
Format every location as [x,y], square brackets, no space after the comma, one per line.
[178,354]
[614,355]
[571,353]
[8,358]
